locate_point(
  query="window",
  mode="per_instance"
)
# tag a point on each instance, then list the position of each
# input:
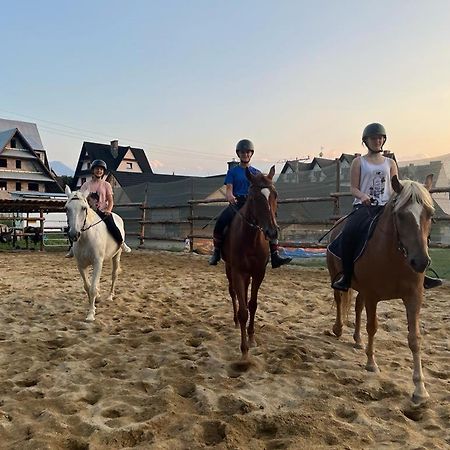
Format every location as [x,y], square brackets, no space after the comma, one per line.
[18,186]
[33,187]
[13,143]
[18,164]
[129,165]
[3,162]
[3,186]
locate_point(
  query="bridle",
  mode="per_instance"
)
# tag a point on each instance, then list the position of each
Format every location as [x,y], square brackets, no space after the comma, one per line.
[251,224]
[83,227]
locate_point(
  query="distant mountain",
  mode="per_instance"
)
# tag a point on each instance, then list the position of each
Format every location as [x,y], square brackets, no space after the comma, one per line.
[61,169]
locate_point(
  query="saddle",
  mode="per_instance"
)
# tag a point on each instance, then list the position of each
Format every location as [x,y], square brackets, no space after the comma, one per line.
[361,235]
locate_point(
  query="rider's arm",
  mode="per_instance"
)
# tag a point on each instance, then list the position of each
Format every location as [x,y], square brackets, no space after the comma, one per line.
[229,194]
[355,179]
[394,168]
[109,198]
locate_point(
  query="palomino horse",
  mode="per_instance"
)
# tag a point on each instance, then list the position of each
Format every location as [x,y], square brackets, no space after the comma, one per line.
[92,245]
[392,266]
[246,251]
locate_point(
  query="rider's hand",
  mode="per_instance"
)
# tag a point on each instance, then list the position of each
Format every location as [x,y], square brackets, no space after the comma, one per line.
[365,200]
[231,198]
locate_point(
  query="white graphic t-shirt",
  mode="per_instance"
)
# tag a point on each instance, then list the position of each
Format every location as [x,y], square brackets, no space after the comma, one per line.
[375,181]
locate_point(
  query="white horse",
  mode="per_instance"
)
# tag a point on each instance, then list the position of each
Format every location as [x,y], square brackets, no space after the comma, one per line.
[92,244]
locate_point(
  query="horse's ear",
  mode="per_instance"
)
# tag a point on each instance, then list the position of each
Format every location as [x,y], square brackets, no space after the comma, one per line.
[396,185]
[272,172]
[429,181]
[67,190]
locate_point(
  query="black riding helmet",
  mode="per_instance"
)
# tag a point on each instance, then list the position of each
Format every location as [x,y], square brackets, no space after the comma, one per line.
[372,130]
[245,144]
[98,163]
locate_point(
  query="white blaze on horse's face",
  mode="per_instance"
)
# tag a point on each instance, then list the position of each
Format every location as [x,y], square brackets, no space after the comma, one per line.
[416,210]
[266,193]
[76,211]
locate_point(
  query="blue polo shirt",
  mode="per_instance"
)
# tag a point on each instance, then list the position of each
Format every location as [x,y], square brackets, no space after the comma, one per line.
[236,177]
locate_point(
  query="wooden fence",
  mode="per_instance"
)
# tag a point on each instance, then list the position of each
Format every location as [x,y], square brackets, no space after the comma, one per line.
[146,224]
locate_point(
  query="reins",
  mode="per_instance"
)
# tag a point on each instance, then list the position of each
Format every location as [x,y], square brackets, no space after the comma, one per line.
[85,218]
[253,225]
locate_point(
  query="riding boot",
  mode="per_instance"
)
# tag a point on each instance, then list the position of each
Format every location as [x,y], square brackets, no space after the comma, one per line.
[215,257]
[344,283]
[69,253]
[430,283]
[275,257]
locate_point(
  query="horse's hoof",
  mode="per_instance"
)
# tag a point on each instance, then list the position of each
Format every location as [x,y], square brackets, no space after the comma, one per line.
[358,344]
[337,331]
[372,368]
[90,318]
[419,399]
[252,343]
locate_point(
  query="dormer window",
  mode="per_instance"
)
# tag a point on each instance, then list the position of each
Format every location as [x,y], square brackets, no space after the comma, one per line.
[13,143]
[129,166]
[18,164]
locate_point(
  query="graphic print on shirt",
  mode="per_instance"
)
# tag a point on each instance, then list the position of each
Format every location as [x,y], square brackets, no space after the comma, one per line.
[376,190]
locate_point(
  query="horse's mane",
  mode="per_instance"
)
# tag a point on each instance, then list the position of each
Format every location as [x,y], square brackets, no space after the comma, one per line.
[414,192]
[260,179]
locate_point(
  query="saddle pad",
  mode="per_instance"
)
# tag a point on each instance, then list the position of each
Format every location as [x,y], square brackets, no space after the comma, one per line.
[364,231]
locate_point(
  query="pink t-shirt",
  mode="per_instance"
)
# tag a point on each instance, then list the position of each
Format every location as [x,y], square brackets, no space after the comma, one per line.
[99,190]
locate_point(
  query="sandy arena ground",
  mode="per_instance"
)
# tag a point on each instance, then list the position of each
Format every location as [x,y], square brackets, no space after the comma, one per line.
[155,370]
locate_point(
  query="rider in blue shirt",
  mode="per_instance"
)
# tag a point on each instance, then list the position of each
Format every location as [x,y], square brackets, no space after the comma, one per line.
[237,186]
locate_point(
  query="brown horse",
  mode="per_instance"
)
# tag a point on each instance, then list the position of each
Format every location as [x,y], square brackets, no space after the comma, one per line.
[246,252]
[392,266]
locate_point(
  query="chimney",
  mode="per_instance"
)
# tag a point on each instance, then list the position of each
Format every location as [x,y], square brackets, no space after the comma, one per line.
[115,148]
[232,164]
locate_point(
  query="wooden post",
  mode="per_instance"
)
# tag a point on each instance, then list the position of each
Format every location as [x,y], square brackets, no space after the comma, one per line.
[41,229]
[23,232]
[144,215]
[191,219]
[338,187]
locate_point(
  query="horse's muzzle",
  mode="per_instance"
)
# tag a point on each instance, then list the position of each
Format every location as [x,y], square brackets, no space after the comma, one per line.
[420,264]
[271,233]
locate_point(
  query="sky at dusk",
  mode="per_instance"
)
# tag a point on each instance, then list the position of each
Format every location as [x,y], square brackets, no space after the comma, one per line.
[185,80]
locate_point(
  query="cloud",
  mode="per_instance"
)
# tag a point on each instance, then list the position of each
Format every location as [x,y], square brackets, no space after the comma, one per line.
[156,164]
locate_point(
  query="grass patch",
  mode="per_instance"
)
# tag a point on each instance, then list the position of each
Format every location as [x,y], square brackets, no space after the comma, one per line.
[440,258]
[440,262]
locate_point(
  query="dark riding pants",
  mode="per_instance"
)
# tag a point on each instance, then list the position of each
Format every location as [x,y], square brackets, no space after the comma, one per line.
[226,217]
[111,226]
[352,233]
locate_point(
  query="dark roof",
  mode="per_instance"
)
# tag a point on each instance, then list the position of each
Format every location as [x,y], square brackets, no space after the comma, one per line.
[130,178]
[27,129]
[323,162]
[300,166]
[419,173]
[31,205]
[103,151]
[47,176]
